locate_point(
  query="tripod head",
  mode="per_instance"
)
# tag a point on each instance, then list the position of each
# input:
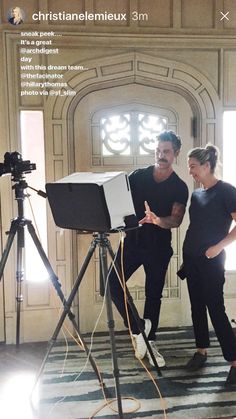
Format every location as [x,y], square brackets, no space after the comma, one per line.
[19,187]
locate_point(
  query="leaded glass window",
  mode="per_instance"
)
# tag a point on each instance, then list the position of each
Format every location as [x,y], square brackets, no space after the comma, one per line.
[130,133]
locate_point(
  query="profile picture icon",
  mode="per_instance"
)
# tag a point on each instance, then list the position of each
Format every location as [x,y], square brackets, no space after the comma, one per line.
[16,16]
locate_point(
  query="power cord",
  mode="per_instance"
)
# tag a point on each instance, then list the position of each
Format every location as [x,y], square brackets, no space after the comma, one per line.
[78,341]
[123,285]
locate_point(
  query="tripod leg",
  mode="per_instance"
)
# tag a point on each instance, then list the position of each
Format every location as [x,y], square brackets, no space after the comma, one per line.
[17,227]
[111,324]
[66,304]
[19,277]
[11,234]
[134,311]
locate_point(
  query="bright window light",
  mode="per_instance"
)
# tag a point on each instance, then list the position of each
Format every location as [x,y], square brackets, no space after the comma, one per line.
[19,384]
[229,171]
[32,141]
[131,132]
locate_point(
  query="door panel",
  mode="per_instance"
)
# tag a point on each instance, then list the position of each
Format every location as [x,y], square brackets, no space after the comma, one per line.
[1,313]
[89,157]
[2,322]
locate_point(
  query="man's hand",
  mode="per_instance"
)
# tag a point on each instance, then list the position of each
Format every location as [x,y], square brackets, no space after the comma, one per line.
[171,221]
[150,217]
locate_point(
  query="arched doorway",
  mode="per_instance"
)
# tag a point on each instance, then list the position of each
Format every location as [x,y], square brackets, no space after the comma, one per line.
[135,80]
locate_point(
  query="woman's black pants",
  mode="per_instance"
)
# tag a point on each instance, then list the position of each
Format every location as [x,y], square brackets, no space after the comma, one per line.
[205,279]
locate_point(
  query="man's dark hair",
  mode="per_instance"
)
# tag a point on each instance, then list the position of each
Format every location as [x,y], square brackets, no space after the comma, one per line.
[172,137]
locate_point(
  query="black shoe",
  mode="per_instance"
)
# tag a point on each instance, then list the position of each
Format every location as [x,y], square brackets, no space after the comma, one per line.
[196,362]
[231,379]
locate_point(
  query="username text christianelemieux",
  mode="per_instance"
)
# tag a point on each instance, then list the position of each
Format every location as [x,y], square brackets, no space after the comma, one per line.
[78,16]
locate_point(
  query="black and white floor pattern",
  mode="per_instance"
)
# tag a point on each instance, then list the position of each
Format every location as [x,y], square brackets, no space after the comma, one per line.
[76,395]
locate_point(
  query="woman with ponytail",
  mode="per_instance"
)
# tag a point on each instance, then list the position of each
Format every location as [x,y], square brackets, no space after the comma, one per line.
[212,211]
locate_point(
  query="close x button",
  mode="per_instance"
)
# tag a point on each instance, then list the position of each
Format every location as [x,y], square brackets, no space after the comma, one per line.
[224,16]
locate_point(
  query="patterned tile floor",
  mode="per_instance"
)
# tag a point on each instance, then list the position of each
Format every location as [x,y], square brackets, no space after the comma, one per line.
[19,367]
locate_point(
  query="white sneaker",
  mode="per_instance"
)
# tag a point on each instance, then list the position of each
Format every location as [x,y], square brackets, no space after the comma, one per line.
[140,345]
[159,358]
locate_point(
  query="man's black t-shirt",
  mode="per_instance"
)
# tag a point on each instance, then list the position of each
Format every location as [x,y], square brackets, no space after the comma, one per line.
[160,197]
[210,217]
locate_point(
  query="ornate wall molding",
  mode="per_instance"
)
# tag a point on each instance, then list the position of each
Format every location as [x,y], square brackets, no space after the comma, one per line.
[120,70]
[139,68]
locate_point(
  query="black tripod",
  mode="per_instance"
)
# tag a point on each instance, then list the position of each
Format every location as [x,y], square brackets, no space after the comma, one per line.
[101,240]
[17,228]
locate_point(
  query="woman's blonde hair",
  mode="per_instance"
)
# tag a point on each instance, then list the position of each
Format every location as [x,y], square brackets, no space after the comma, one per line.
[209,154]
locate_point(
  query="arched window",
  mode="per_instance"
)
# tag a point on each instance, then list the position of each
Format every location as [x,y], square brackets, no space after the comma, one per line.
[126,135]
[130,133]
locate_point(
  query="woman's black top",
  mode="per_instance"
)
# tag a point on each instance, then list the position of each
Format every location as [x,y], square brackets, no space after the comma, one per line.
[210,217]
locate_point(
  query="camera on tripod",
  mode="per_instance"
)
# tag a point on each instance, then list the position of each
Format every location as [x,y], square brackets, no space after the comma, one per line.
[14,164]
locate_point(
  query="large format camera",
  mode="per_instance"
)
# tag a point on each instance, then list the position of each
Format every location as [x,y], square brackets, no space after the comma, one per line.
[14,165]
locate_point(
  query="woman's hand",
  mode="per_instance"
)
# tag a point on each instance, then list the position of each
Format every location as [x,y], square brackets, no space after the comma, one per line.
[150,217]
[213,251]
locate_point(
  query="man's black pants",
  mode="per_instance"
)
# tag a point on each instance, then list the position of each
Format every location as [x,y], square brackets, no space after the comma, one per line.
[155,265]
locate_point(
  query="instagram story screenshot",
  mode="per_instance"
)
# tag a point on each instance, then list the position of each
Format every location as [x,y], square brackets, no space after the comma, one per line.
[117,209]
